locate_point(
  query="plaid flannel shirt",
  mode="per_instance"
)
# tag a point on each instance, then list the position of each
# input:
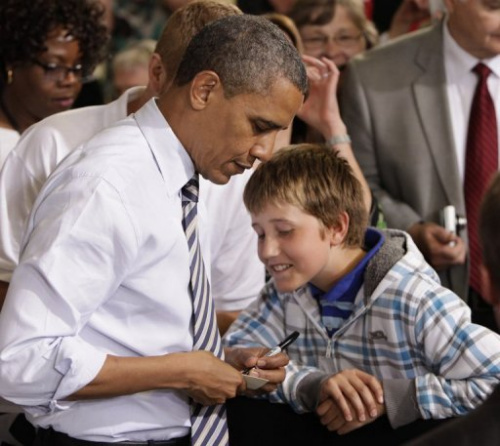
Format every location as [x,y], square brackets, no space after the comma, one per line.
[405,325]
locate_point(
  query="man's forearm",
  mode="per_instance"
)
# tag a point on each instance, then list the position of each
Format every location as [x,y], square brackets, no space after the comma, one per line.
[129,375]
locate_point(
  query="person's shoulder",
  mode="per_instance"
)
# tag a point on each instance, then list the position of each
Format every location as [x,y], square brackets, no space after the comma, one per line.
[8,140]
[68,117]
[409,267]
[70,127]
[115,151]
[394,54]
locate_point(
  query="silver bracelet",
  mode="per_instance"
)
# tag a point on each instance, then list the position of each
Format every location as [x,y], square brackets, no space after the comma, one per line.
[339,139]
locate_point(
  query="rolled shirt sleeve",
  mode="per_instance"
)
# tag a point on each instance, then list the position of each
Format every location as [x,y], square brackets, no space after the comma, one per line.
[69,267]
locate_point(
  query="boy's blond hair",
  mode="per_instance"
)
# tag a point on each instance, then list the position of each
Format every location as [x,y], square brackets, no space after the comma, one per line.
[183,25]
[317,180]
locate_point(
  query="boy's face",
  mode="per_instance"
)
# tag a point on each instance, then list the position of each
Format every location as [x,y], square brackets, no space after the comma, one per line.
[295,247]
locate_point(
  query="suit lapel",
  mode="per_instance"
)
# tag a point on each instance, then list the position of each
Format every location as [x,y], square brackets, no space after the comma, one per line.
[431,101]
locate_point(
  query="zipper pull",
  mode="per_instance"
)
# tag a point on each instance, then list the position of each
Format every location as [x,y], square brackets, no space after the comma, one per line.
[329,348]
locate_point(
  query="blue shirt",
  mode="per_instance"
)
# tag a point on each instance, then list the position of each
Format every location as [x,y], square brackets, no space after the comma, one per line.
[337,304]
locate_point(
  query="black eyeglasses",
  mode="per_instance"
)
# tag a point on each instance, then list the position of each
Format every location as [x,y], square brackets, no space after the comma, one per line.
[58,73]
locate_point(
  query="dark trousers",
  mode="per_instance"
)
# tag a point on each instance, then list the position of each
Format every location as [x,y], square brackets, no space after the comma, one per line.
[49,437]
[482,312]
[21,430]
[257,422]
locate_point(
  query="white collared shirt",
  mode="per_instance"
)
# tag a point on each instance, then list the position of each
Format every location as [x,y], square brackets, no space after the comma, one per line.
[237,273]
[36,155]
[8,140]
[104,270]
[461,83]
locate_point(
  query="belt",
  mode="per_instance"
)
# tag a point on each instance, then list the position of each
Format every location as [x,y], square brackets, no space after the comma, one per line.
[50,437]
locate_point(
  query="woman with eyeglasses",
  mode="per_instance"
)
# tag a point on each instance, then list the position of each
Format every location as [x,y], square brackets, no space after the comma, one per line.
[331,32]
[336,29]
[47,48]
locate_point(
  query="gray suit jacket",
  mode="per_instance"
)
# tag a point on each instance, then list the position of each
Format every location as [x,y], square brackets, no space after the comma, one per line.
[395,106]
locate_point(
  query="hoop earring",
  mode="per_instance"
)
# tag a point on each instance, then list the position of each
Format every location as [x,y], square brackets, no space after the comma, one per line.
[10,76]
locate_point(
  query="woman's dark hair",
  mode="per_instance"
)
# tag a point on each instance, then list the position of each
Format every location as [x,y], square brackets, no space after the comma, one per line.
[26,24]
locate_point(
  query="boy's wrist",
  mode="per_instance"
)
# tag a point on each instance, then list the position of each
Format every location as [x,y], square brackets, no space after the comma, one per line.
[309,389]
[400,399]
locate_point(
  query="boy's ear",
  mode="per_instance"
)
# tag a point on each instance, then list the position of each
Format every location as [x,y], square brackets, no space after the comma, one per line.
[338,231]
[203,88]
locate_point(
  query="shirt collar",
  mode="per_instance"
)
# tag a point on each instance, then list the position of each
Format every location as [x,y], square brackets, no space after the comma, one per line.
[174,163]
[348,286]
[459,62]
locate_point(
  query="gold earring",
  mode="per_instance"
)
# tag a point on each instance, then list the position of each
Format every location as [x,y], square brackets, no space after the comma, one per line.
[10,76]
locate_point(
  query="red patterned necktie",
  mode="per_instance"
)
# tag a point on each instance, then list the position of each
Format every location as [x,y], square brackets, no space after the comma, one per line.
[481,163]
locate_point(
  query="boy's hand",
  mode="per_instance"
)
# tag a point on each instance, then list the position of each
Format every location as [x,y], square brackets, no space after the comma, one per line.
[354,392]
[333,419]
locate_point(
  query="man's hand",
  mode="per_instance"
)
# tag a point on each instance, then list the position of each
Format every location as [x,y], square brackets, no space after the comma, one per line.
[210,380]
[332,418]
[352,392]
[271,368]
[440,247]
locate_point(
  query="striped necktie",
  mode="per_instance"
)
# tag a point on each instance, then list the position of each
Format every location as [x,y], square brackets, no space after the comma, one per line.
[208,423]
[480,165]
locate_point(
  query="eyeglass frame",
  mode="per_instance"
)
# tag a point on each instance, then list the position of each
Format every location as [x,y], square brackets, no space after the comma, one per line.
[322,41]
[53,71]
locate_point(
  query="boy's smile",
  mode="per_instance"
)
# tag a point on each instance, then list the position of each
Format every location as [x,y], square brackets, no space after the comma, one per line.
[295,247]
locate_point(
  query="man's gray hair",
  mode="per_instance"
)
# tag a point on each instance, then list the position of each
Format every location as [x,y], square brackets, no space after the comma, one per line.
[248,53]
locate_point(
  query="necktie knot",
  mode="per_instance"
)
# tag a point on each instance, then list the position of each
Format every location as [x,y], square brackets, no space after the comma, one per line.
[482,71]
[191,190]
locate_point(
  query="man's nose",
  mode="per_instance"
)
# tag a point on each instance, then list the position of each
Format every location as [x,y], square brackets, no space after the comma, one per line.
[263,149]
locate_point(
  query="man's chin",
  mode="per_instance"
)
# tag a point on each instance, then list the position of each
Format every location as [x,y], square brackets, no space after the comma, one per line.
[216,177]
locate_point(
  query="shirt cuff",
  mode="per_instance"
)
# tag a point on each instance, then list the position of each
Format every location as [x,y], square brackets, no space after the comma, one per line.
[78,363]
[401,405]
[309,388]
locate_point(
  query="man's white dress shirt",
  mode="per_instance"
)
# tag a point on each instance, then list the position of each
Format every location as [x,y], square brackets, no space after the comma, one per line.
[104,270]
[461,84]
[236,272]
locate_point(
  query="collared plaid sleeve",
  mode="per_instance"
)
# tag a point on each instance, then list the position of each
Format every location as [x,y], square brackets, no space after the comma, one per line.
[264,323]
[463,358]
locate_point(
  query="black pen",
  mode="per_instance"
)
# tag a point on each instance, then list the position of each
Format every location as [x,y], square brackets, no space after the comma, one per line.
[283,344]
[278,349]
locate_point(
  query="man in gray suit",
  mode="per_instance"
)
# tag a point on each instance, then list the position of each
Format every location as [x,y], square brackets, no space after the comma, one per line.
[406,106]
